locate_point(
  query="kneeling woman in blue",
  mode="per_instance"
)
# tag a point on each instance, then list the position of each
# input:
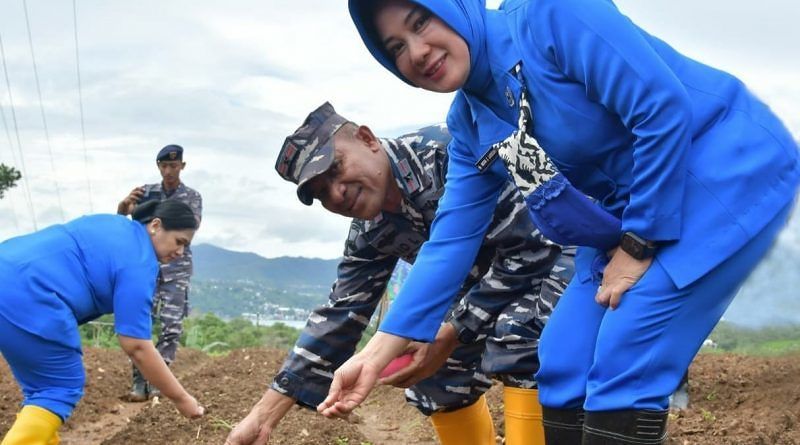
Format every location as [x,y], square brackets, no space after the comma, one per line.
[55,279]
[701,174]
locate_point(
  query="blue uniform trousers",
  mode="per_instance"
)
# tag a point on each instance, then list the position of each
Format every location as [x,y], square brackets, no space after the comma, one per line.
[51,375]
[634,357]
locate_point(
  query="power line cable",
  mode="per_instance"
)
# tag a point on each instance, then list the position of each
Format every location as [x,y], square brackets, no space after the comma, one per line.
[80,102]
[19,142]
[41,109]
[14,164]
[8,135]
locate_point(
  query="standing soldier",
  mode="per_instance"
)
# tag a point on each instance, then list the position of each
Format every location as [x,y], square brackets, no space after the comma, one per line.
[392,187]
[171,300]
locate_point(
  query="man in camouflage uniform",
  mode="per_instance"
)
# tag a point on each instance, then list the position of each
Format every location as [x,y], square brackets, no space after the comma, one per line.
[171,300]
[497,317]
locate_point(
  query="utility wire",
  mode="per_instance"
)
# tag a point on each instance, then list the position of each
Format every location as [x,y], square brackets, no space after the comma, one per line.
[80,102]
[8,135]
[19,142]
[41,109]
[14,164]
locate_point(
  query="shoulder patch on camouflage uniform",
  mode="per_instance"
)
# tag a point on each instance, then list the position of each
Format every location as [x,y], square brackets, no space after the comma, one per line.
[410,180]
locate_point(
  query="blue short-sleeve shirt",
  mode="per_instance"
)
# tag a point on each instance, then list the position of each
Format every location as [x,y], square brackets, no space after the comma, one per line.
[68,274]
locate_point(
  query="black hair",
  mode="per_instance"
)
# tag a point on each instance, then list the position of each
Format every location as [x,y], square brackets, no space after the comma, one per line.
[369,10]
[174,215]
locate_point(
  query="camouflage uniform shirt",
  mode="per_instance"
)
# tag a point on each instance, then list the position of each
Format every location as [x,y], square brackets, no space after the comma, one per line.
[171,301]
[514,261]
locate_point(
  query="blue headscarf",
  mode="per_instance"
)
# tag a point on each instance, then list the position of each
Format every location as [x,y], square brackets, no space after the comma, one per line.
[466,17]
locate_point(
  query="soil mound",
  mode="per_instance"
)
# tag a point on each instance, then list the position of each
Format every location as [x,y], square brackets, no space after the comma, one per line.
[735,400]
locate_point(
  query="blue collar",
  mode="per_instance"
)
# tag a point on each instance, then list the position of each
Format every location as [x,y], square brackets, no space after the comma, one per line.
[495,112]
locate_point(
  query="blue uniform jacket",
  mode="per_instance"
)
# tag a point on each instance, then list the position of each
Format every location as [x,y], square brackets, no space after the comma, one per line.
[68,274]
[683,153]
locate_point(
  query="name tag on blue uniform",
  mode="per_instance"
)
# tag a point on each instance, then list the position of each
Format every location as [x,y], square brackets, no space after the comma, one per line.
[486,160]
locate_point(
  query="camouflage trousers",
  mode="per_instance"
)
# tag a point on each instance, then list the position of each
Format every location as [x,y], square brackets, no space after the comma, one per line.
[508,350]
[170,307]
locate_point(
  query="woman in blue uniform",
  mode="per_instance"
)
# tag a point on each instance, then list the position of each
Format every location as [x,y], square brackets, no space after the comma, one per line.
[701,174]
[60,277]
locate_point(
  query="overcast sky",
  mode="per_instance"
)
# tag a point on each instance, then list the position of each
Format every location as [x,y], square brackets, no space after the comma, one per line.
[229,81]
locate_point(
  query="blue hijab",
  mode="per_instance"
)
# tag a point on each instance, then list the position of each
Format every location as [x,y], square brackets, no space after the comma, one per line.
[466,17]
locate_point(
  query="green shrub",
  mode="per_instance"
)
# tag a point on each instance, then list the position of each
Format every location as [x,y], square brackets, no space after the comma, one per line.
[770,340]
[206,332]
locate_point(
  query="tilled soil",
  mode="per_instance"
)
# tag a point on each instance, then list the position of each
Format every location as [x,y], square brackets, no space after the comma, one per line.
[735,400]
[103,408]
[741,400]
[228,386]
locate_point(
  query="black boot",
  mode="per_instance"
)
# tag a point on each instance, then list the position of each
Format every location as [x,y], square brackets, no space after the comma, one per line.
[138,387]
[152,391]
[642,427]
[562,426]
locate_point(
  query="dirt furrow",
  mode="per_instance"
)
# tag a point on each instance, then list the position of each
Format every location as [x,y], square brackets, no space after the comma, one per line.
[735,400]
[104,410]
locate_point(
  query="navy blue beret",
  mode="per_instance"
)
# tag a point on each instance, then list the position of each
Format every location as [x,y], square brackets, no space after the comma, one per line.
[171,152]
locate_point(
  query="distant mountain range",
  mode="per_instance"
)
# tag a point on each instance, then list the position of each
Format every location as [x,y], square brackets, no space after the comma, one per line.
[215,263]
[771,295]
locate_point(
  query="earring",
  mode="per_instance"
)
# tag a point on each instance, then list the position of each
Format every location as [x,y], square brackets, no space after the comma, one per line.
[152,232]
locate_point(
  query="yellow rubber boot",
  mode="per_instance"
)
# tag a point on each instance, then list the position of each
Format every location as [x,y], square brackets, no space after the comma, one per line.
[34,426]
[523,415]
[55,440]
[471,425]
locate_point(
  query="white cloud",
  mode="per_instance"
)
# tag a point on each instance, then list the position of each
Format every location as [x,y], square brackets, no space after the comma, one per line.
[230,81]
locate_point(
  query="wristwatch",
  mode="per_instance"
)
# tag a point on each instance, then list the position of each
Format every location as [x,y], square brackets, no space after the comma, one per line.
[464,334]
[637,246]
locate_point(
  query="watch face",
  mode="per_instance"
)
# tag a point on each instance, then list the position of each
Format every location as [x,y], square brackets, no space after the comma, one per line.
[632,247]
[636,246]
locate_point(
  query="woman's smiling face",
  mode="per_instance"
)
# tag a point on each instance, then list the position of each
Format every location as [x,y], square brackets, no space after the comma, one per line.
[425,50]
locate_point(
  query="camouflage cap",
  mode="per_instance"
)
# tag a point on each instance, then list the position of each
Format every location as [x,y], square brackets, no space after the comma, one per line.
[308,152]
[170,152]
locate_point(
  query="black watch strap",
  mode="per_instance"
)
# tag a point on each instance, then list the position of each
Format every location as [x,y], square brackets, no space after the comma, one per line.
[464,334]
[636,246]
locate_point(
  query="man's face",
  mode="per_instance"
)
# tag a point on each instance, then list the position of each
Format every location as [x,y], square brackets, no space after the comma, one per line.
[357,182]
[171,172]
